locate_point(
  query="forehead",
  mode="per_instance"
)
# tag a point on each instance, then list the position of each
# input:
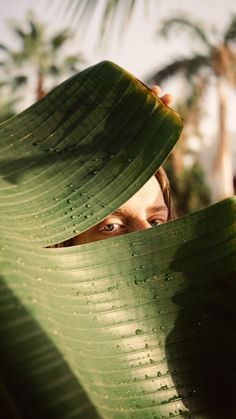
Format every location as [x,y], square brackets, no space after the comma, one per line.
[149,195]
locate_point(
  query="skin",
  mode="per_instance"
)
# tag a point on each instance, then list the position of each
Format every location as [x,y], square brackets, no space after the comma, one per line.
[144,210]
[167,98]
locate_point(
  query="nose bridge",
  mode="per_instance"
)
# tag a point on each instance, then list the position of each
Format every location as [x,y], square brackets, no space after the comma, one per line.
[139,224]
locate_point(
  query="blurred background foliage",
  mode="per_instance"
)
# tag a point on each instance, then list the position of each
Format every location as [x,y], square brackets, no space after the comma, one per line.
[41,57]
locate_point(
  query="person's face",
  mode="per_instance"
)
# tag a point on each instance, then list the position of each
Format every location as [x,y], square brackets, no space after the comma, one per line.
[145,209]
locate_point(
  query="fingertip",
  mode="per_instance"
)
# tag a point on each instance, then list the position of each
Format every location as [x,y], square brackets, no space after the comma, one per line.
[156,90]
[167,99]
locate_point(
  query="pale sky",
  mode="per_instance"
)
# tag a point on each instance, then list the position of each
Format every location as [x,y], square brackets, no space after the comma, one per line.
[141,51]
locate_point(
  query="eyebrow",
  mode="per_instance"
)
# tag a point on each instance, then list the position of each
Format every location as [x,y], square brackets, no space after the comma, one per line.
[120,212]
[158,208]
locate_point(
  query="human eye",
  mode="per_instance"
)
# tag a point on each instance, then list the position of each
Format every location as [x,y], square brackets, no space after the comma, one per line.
[112,227]
[158,219]
[154,222]
[160,216]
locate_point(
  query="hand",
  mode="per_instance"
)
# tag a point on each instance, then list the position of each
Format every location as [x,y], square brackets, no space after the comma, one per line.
[167,98]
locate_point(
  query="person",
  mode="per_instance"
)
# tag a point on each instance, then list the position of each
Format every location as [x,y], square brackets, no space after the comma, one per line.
[150,206]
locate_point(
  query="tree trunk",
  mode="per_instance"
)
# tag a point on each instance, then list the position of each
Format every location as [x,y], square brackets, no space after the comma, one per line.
[40,92]
[222,170]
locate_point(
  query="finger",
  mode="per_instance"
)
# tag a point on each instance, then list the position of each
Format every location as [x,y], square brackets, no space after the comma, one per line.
[167,99]
[156,90]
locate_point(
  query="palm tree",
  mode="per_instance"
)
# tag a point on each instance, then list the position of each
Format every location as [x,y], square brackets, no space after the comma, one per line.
[217,63]
[9,94]
[190,190]
[42,53]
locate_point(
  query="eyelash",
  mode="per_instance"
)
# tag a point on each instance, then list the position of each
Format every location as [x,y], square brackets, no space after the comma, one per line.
[104,228]
[154,219]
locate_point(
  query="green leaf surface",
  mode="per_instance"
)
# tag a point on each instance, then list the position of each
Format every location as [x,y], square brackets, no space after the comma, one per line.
[82,151]
[139,326]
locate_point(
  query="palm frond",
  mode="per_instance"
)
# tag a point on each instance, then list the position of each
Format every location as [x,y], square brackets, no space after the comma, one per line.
[230,34]
[17,57]
[72,60]
[180,22]
[108,16]
[4,47]
[114,12]
[4,83]
[58,40]
[19,32]
[19,81]
[54,70]
[130,9]
[33,30]
[185,66]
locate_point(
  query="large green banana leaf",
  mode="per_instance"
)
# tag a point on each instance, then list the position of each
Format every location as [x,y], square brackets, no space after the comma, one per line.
[139,326]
